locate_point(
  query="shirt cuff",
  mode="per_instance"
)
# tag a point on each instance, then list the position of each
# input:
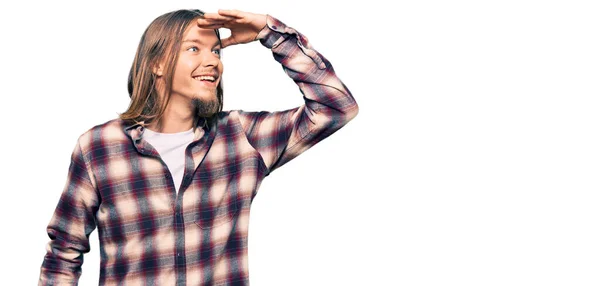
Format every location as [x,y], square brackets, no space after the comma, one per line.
[272,34]
[276,32]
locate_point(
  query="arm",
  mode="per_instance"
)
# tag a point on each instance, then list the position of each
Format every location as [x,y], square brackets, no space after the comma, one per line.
[328,105]
[71,225]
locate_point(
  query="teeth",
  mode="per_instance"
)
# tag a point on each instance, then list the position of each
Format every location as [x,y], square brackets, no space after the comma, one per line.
[209,78]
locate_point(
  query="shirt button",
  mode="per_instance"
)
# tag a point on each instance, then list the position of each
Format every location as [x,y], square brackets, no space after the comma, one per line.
[178,254]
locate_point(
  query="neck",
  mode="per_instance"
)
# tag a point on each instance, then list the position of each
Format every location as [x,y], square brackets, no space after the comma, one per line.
[178,117]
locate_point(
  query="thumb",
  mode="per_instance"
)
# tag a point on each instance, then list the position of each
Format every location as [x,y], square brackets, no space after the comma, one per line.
[229,41]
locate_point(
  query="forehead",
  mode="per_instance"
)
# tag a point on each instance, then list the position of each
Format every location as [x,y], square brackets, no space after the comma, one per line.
[201,35]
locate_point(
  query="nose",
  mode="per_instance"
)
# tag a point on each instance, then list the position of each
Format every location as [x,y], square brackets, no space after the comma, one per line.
[210,59]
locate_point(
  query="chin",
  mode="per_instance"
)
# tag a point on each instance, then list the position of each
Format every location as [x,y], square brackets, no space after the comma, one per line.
[205,108]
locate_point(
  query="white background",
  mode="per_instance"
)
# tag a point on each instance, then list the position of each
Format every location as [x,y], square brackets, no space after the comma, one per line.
[474,159]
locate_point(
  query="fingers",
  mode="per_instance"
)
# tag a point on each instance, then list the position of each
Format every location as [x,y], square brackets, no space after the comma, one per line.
[231,13]
[212,27]
[217,17]
[210,24]
[212,20]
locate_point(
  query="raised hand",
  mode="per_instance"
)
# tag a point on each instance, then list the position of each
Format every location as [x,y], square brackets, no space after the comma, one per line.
[244,26]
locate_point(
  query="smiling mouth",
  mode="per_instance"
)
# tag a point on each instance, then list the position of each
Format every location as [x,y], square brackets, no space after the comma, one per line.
[208,81]
[205,78]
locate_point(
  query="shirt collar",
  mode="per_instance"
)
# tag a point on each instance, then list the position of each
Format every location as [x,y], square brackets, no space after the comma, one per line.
[134,130]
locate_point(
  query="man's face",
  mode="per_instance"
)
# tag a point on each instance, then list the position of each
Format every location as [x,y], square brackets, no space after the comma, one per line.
[198,69]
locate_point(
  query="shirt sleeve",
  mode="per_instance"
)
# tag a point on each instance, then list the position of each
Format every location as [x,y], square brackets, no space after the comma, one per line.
[71,224]
[328,105]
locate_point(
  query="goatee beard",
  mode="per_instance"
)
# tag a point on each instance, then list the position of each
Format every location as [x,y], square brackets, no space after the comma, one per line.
[203,108]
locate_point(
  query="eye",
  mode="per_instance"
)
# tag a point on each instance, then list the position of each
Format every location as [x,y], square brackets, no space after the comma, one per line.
[217,51]
[194,49]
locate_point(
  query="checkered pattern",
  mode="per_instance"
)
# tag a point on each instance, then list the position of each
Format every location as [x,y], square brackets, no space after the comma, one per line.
[151,235]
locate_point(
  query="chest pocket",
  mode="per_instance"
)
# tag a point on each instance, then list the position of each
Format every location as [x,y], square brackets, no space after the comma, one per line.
[218,203]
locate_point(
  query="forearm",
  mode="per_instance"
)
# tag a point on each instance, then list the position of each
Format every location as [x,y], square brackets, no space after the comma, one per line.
[324,93]
[64,257]
[282,135]
[71,224]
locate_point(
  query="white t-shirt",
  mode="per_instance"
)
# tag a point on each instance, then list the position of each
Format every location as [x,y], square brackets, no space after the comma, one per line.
[171,147]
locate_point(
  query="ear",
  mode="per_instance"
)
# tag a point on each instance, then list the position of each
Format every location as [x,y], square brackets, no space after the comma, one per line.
[158,69]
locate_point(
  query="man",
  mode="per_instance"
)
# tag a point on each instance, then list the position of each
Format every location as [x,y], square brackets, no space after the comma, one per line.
[169,183]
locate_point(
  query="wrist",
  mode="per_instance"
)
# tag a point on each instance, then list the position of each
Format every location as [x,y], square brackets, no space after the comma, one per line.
[273,33]
[262,29]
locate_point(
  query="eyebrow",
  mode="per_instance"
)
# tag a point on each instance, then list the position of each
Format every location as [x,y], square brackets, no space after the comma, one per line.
[218,43]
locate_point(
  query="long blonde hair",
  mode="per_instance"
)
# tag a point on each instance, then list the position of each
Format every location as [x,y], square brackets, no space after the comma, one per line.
[161,40]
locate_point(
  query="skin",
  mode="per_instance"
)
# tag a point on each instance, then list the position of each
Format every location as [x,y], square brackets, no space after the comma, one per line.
[200,55]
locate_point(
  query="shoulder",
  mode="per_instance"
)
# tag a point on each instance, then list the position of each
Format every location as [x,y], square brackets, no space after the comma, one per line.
[111,131]
[226,117]
[243,117]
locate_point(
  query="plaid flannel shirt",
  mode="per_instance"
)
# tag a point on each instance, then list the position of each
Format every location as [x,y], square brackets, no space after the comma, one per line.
[149,235]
